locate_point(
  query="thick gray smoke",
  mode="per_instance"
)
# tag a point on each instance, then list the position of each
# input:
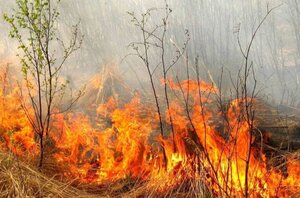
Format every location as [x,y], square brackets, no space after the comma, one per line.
[212,25]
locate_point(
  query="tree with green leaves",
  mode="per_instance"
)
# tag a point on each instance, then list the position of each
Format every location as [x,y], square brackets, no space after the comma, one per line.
[34,25]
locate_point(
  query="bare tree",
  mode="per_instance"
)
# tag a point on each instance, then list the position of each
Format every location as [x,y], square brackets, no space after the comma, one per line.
[247,93]
[155,38]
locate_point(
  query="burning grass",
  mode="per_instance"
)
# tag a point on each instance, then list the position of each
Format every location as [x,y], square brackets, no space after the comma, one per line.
[121,153]
[18,179]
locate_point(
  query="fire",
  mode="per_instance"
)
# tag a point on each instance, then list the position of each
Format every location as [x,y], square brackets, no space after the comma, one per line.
[15,131]
[211,147]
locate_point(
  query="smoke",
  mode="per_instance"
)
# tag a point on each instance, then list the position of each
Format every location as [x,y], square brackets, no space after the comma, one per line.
[212,25]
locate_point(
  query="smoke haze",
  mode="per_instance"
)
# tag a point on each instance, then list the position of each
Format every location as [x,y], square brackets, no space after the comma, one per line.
[212,25]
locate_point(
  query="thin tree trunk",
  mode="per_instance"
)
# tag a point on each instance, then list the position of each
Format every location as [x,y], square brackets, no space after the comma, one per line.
[41,151]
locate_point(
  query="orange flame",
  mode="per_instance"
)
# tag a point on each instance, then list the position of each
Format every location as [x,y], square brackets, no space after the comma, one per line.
[212,147]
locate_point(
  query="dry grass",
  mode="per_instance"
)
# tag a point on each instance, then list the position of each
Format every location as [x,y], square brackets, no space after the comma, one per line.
[20,180]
